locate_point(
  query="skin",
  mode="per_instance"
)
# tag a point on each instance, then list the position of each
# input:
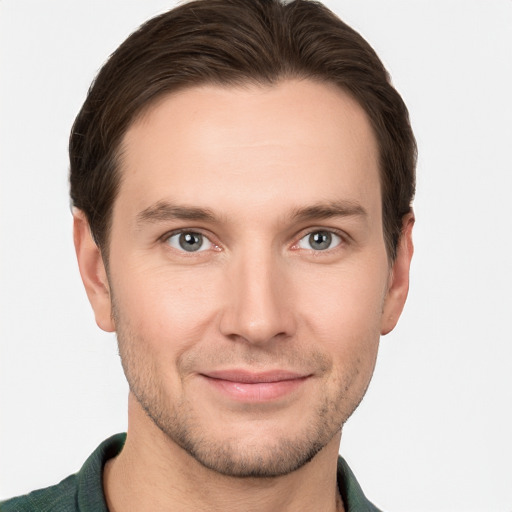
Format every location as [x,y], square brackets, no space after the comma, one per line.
[255,171]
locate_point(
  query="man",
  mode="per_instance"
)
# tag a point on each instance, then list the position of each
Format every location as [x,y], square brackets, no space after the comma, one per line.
[242,174]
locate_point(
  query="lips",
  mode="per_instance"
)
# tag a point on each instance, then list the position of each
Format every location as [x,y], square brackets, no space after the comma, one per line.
[248,386]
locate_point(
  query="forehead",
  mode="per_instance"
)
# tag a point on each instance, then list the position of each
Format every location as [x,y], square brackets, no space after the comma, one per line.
[295,142]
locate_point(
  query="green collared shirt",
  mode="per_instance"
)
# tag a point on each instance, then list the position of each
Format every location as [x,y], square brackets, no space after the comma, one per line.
[83,492]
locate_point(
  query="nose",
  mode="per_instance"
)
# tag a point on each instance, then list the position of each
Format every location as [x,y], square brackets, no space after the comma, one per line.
[259,301]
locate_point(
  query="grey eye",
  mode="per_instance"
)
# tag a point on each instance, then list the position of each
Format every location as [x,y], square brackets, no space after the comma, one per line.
[189,241]
[319,240]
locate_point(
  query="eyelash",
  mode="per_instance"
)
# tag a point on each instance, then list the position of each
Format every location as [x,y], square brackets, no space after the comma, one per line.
[167,237]
[333,235]
[342,240]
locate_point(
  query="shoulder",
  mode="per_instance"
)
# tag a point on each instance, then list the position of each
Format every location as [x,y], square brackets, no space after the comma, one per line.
[353,496]
[57,498]
[82,492]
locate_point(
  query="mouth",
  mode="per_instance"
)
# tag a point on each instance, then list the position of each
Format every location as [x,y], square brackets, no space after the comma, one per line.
[258,387]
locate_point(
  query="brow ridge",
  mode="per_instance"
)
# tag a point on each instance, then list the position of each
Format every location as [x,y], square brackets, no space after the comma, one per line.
[163,211]
[328,210]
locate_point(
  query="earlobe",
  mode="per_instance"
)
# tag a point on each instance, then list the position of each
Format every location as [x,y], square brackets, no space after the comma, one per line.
[398,286]
[92,271]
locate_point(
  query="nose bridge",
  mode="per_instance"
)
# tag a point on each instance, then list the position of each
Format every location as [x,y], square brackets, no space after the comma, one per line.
[257,308]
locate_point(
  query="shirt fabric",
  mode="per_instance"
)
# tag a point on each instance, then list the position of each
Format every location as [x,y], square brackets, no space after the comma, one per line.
[83,491]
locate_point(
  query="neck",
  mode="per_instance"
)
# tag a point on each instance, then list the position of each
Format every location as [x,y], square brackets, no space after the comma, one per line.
[153,473]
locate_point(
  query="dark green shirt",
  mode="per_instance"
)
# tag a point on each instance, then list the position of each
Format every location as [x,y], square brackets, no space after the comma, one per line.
[83,492]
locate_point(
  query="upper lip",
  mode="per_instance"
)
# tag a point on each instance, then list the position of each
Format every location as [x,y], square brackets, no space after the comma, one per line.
[251,377]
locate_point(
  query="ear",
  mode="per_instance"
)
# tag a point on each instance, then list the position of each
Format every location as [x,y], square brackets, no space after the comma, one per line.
[92,270]
[398,285]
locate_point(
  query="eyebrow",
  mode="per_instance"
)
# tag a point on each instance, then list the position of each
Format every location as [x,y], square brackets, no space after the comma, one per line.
[329,210]
[163,211]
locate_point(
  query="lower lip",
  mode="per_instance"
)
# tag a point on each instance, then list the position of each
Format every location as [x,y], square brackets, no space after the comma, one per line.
[256,392]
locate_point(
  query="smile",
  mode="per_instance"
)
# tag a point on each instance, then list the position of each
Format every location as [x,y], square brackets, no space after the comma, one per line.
[255,387]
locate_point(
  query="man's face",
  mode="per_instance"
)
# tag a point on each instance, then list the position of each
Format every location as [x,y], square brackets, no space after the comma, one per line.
[248,271]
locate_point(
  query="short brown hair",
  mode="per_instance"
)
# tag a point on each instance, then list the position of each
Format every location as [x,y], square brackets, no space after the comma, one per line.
[230,42]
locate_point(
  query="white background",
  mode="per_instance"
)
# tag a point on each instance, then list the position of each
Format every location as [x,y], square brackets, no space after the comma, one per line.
[435,430]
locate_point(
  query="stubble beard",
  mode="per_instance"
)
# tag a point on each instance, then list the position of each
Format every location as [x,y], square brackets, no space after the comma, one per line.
[231,456]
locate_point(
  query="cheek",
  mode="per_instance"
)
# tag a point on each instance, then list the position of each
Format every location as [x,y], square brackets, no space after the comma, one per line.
[343,301]
[342,311]
[166,309]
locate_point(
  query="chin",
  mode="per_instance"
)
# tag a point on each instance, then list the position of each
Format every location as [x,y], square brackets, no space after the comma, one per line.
[242,459]
[255,450]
